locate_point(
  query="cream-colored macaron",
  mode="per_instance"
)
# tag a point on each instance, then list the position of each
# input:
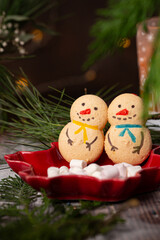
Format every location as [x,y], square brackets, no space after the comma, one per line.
[127,140]
[83,137]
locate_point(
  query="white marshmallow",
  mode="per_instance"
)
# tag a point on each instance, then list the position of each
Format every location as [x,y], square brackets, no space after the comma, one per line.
[122,168]
[78,163]
[126,164]
[76,170]
[91,168]
[53,172]
[131,171]
[110,171]
[97,174]
[63,170]
[105,167]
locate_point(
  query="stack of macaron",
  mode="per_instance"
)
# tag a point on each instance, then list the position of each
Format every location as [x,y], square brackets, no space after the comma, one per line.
[127,142]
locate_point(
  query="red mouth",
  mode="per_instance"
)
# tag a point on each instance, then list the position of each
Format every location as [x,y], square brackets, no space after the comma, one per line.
[123,112]
[86,111]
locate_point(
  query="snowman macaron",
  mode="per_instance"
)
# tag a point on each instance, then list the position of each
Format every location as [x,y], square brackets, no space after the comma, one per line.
[127,140]
[83,137]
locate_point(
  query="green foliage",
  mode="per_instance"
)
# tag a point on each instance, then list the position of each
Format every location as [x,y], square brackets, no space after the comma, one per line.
[15,190]
[14,17]
[107,94]
[115,22]
[26,214]
[21,7]
[33,116]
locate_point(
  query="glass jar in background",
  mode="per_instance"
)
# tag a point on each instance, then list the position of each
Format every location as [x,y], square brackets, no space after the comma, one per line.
[145,47]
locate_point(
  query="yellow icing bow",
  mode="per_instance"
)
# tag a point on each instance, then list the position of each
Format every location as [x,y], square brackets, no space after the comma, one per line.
[83,127]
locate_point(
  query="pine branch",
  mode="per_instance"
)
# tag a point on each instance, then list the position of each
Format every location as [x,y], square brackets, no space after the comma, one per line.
[24,218]
[32,115]
[115,22]
[22,7]
[14,17]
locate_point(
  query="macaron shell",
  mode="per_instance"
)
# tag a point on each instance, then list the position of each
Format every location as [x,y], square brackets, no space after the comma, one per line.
[78,149]
[132,104]
[124,151]
[96,107]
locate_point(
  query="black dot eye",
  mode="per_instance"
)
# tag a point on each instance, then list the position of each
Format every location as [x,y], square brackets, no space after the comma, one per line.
[119,105]
[132,106]
[83,104]
[95,108]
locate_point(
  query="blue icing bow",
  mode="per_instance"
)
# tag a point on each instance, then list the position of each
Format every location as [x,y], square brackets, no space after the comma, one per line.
[127,128]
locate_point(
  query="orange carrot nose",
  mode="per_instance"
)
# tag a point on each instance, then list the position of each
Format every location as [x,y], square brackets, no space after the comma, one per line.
[123,112]
[86,111]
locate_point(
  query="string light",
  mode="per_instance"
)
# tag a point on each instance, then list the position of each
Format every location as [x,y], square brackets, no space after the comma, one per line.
[90,75]
[37,35]
[22,83]
[124,42]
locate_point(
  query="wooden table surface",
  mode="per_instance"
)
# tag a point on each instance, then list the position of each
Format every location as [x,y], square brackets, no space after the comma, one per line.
[141,222]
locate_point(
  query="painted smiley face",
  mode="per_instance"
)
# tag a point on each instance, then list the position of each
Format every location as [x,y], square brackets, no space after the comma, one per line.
[126,108]
[90,109]
[87,114]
